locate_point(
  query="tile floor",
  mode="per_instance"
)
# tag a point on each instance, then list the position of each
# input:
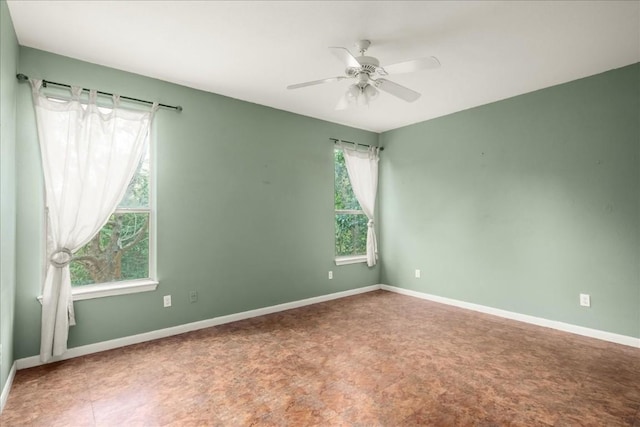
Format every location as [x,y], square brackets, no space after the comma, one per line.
[376,359]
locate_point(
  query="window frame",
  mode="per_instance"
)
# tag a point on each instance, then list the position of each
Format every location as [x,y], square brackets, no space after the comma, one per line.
[344,259]
[123,287]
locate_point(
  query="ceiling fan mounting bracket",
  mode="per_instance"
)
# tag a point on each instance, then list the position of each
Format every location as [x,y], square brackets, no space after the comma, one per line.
[362,46]
[370,61]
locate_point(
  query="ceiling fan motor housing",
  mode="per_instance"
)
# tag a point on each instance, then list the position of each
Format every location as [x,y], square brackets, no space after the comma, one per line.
[368,63]
[368,66]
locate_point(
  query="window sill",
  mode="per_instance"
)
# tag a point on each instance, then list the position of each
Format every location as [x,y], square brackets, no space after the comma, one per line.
[355,259]
[111,289]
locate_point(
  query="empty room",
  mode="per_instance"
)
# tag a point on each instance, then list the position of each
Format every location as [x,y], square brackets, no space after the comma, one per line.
[319,213]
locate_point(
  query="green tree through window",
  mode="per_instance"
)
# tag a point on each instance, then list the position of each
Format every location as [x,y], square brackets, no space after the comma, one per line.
[350,221]
[120,251]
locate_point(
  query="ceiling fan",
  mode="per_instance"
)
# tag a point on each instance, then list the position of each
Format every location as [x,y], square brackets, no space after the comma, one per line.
[364,68]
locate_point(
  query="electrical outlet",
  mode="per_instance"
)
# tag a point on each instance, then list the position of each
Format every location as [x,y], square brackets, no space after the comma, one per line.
[417,274]
[330,274]
[193,296]
[585,300]
[167,300]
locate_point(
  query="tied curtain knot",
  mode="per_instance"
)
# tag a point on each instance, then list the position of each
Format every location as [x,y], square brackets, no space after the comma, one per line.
[60,258]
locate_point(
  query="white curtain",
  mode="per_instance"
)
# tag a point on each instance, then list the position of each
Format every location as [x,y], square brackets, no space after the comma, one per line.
[89,156]
[362,167]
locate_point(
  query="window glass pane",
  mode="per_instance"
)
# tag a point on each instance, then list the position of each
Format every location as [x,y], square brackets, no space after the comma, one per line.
[343,193]
[351,234]
[137,195]
[120,251]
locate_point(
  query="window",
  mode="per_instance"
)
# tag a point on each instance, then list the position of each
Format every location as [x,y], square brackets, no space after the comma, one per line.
[122,250]
[350,221]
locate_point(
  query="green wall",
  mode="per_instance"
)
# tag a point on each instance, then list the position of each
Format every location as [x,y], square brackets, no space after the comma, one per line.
[519,205]
[523,204]
[8,86]
[245,208]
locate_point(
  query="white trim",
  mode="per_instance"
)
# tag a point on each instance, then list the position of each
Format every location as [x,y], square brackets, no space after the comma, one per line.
[7,386]
[111,289]
[29,362]
[351,259]
[132,210]
[350,212]
[539,321]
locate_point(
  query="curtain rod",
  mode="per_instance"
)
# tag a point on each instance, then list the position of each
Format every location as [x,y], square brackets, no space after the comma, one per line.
[24,78]
[335,141]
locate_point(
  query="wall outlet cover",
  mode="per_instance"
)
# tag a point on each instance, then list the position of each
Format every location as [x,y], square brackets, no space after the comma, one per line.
[417,274]
[330,274]
[585,300]
[166,300]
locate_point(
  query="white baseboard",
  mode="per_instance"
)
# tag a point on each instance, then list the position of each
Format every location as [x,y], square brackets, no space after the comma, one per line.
[539,321]
[29,362]
[7,386]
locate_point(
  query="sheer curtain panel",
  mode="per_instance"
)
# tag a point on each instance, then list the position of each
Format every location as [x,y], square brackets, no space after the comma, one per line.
[89,155]
[362,167]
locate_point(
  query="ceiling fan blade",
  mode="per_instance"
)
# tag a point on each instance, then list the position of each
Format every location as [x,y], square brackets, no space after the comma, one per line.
[397,90]
[345,56]
[410,66]
[316,82]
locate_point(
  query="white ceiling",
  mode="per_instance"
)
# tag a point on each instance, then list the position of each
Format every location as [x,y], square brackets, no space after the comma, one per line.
[253,50]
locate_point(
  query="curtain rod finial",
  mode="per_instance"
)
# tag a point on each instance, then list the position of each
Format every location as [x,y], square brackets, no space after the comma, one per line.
[22,77]
[179,108]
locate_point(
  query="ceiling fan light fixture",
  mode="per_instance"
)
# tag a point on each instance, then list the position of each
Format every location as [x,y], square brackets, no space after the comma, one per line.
[370,92]
[363,100]
[353,93]
[357,94]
